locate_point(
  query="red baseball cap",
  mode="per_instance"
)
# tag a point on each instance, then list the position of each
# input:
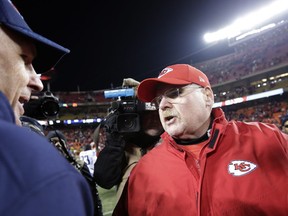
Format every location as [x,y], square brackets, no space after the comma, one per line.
[178,74]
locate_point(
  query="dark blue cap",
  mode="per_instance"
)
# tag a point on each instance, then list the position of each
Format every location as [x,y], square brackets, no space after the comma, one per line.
[49,53]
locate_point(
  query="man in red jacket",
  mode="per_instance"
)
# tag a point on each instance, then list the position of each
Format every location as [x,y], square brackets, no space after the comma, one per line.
[205,165]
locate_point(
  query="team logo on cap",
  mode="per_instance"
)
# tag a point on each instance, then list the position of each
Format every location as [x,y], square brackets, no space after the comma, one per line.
[165,71]
[201,79]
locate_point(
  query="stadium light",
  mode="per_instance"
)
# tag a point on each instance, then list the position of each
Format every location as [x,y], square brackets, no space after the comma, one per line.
[249,98]
[248,22]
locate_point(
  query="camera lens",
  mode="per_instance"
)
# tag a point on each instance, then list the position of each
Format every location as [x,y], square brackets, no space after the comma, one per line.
[128,122]
[50,108]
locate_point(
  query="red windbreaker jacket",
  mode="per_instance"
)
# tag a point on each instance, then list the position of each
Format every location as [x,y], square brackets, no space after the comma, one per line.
[243,171]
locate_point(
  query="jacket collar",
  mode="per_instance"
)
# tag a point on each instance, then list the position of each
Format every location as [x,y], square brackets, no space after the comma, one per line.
[218,126]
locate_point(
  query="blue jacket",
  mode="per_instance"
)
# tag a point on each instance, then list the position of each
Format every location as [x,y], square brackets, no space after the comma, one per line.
[35,178]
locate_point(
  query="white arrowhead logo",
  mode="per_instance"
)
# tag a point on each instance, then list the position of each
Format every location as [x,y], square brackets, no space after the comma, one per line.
[240,167]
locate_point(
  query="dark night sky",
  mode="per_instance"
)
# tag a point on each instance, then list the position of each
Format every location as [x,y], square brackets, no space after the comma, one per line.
[112,40]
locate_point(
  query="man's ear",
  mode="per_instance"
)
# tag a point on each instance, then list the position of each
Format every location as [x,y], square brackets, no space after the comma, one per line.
[209,96]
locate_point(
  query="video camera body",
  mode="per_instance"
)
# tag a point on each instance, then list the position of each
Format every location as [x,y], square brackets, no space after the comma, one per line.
[43,106]
[124,113]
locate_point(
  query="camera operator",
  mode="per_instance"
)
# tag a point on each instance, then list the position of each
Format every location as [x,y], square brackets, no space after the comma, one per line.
[123,150]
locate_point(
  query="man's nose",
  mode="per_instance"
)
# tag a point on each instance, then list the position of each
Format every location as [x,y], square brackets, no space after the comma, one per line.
[35,83]
[164,103]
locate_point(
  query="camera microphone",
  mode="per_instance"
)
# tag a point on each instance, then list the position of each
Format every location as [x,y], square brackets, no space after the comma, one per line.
[116,93]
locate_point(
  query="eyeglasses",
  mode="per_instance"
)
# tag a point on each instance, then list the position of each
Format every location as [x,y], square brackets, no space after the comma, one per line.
[286,126]
[173,94]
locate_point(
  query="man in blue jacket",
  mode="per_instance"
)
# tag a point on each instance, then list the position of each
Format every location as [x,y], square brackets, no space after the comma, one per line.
[35,178]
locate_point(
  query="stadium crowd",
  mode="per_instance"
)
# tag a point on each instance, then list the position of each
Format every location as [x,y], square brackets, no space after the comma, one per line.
[252,56]
[269,111]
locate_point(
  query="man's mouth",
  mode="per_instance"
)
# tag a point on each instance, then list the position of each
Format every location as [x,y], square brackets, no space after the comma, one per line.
[169,119]
[22,100]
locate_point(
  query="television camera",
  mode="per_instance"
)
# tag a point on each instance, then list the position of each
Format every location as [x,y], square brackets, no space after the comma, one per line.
[42,106]
[124,113]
